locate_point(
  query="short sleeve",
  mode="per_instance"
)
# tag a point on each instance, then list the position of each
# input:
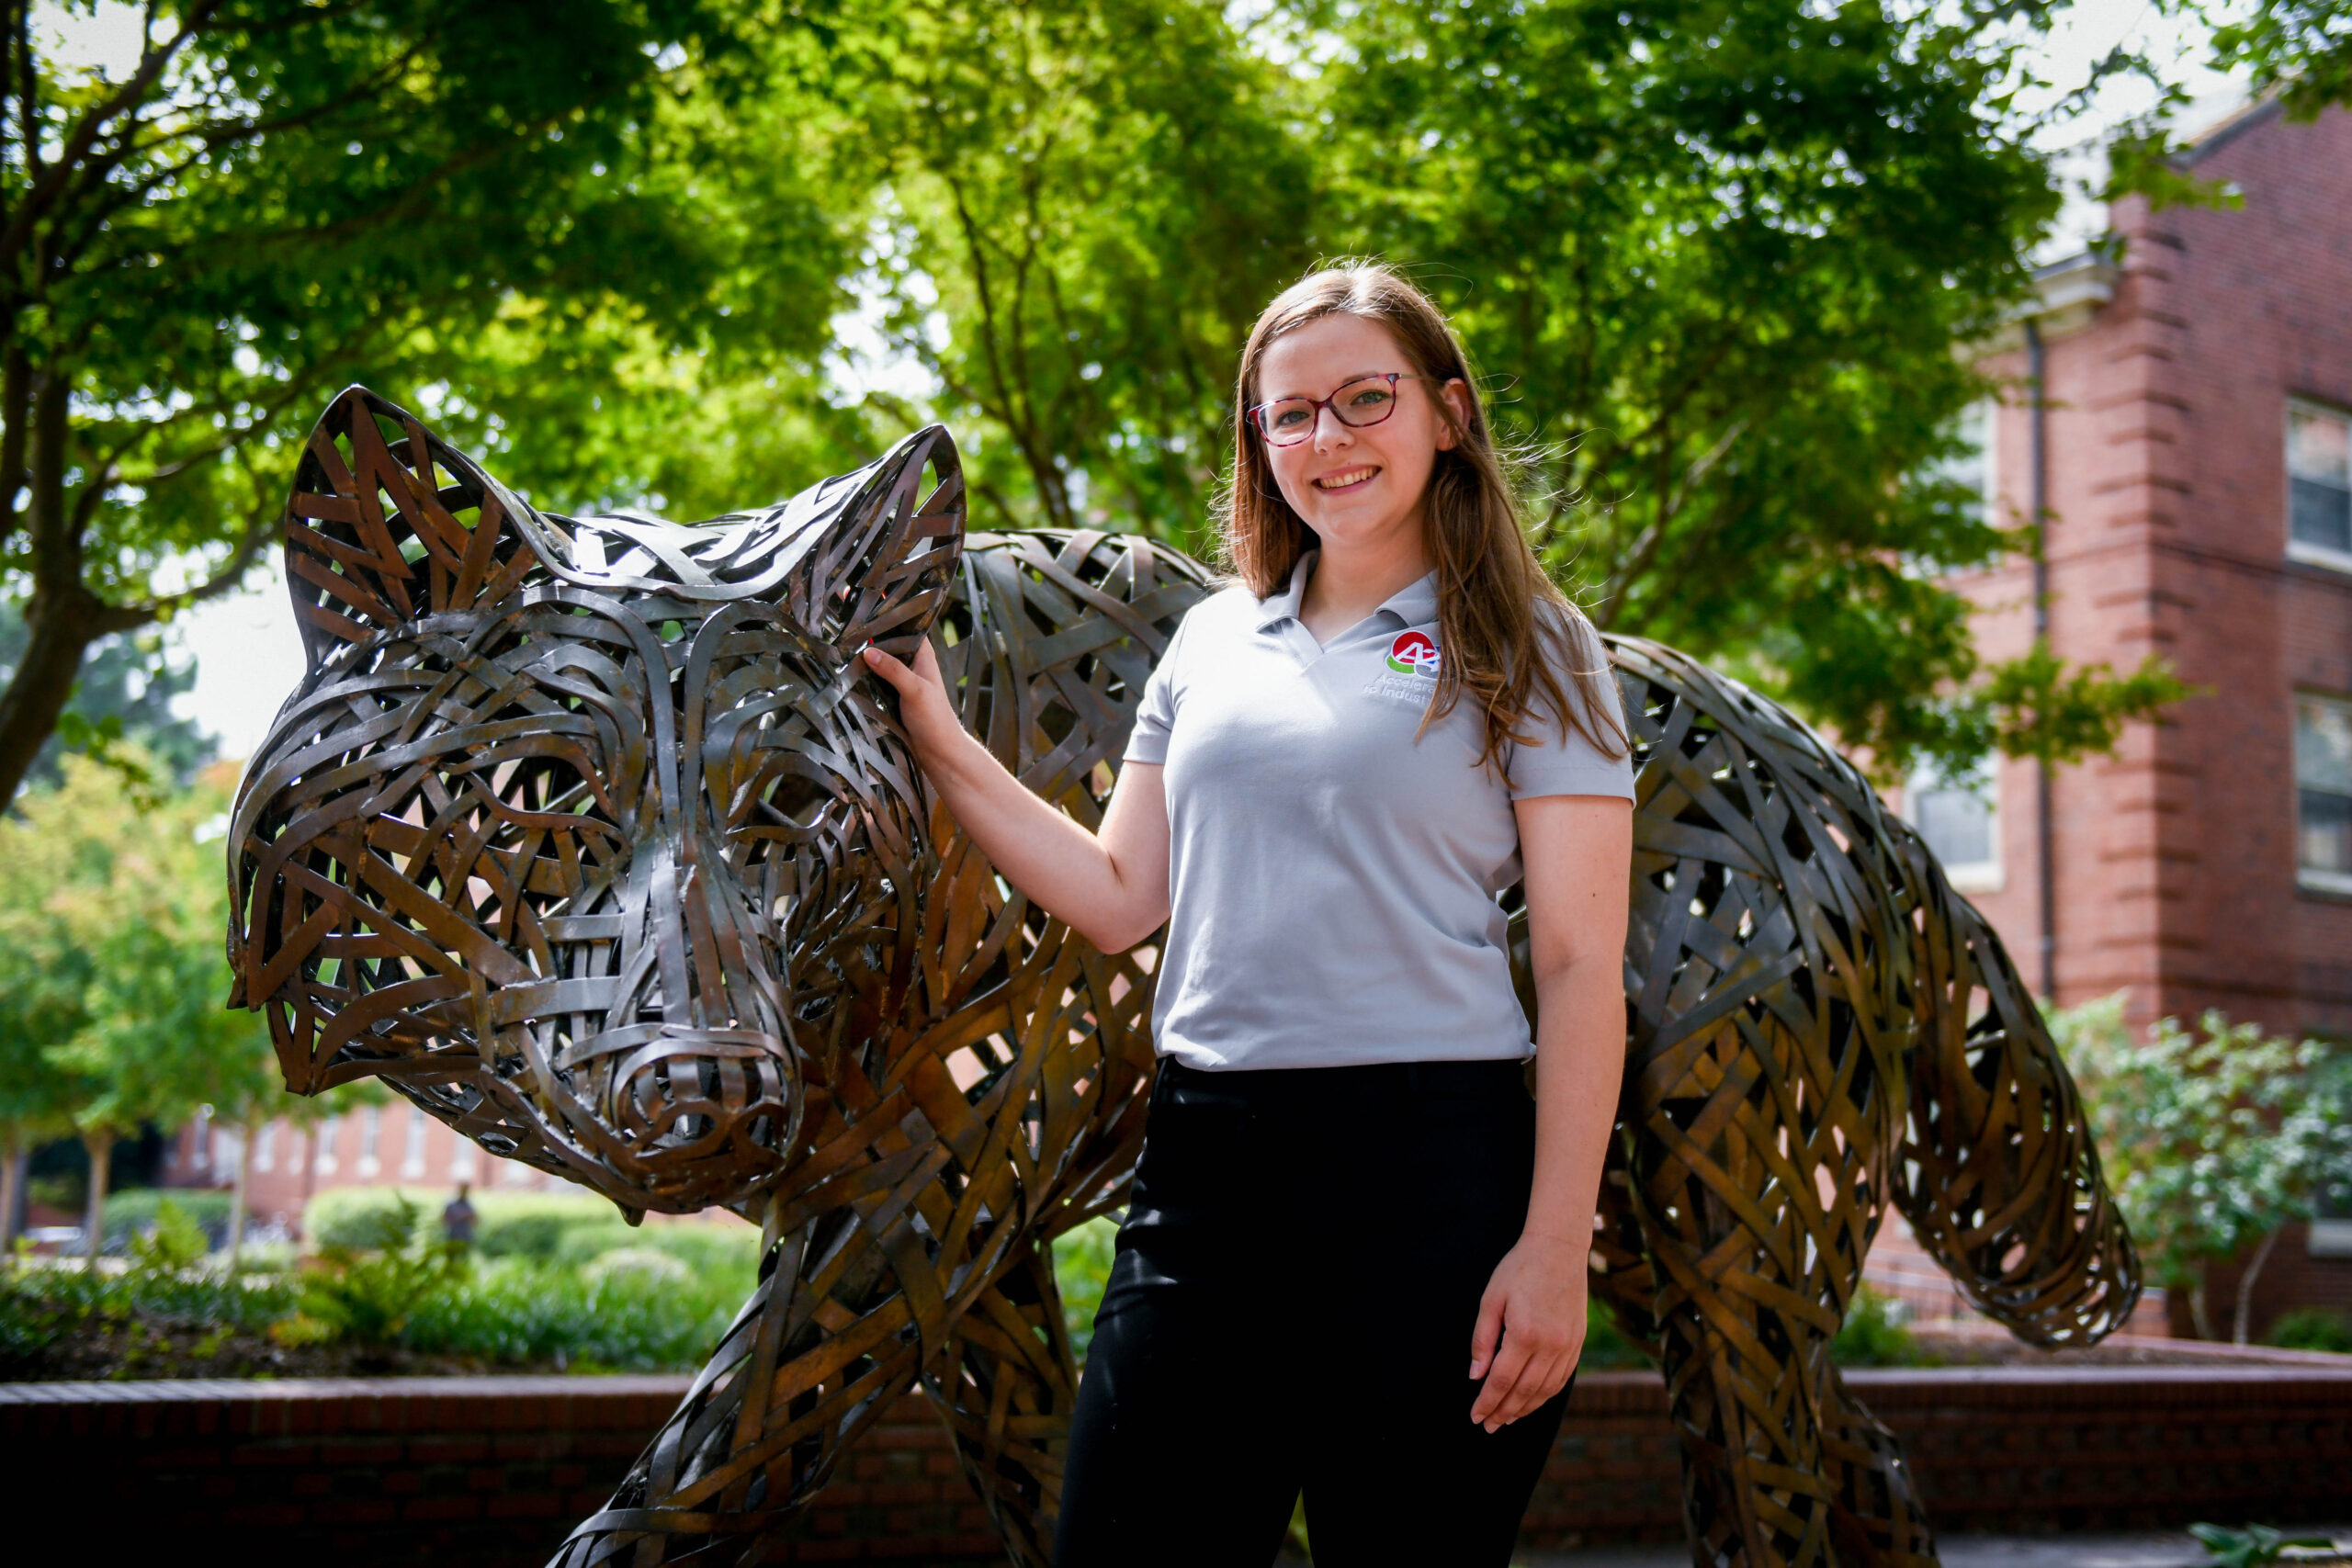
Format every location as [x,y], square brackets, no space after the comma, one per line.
[1156,715]
[1568,761]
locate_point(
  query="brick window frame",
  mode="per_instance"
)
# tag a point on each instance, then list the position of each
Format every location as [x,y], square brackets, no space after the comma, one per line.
[2318,463]
[2323,793]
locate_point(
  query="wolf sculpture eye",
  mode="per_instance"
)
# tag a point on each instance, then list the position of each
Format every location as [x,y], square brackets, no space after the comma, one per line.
[556,797]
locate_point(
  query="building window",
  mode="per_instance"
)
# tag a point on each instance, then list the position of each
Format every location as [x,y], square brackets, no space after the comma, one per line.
[2323,794]
[1960,817]
[329,1132]
[413,1161]
[265,1147]
[2319,485]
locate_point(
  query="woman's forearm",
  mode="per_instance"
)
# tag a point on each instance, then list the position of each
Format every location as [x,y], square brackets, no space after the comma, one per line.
[1579,1064]
[1577,850]
[1110,886]
[1078,877]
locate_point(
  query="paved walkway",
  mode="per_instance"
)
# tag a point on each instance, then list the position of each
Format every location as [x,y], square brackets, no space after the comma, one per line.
[2168,1549]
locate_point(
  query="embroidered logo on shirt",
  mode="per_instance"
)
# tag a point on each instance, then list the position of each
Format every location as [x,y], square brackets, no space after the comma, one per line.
[1413,694]
[1414,653]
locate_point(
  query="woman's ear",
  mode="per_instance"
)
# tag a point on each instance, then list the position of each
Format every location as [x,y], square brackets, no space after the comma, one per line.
[1456,393]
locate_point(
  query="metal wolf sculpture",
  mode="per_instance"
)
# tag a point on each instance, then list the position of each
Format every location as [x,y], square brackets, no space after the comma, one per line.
[585,836]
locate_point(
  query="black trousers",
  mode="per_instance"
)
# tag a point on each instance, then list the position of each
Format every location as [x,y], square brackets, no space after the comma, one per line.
[1289,1311]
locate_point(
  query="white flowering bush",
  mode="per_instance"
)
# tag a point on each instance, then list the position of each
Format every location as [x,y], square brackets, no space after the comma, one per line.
[2213,1138]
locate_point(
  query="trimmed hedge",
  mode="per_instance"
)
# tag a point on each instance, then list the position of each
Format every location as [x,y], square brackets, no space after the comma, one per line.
[562,1229]
[355,1216]
[132,1213]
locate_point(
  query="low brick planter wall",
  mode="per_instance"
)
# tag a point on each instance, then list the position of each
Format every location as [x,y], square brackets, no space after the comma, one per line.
[490,1472]
[2004,1449]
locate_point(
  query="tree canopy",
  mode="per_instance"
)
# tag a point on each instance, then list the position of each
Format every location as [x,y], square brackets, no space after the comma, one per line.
[1714,256]
[110,968]
[275,197]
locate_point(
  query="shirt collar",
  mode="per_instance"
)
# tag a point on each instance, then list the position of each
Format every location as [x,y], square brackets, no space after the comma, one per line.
[1413,604]
[1416,603]
[1284,606]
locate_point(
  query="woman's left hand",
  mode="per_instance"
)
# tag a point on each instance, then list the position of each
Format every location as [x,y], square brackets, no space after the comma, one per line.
[1535,1306]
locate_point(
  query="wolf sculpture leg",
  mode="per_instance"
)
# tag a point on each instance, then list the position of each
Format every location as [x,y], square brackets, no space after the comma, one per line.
[1735,1170]
[1771,1021]
[1006,1387]
[733,1459]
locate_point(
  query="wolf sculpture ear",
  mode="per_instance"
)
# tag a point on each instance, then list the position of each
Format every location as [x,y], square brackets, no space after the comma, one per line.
[871,556]
[388,523]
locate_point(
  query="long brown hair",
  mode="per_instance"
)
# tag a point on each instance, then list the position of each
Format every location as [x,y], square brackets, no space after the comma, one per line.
[1492,593]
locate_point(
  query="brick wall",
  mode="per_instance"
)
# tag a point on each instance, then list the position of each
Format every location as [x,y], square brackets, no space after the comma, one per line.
[494,1471]
[2174,859]
[2028,1451]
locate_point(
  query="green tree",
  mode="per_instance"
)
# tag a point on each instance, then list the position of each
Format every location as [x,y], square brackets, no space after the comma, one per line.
[36,1100]
[2301,48]
[1080,207]
[277,196]
[117,907]
[1716,256]
[2212,1139]
[125,692]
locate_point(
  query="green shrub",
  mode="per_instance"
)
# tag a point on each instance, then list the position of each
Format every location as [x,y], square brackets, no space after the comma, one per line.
[534,1236]
[1081,1268]
[353,1219]
[713,1248]
[38,1305]
[1873,1335]
[651,1263]
[514,1311]
[175,1242]
[2312,1328]
[1606,1346]
[583,1243]
[2250,1547]
[329,1218]
[132,1211]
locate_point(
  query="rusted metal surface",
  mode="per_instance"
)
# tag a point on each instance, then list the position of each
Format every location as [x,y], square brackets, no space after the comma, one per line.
[585,836]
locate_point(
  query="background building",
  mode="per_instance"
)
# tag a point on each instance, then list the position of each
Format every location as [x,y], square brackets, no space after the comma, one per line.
[2197,428]
[376,1145]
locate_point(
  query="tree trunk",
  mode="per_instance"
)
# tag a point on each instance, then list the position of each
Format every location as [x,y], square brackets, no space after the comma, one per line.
[39,691]
[247,1132]
[63,617]
[100,1146]
[2200,1312]
[12,1190]
[2246,1287]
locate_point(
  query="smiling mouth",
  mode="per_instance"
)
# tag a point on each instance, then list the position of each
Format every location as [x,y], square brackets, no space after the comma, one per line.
[1345,479]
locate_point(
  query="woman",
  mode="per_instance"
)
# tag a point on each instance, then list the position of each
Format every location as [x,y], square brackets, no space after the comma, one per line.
[1346,1194]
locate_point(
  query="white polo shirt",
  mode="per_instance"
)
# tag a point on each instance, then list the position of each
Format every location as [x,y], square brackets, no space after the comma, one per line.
[1332,881]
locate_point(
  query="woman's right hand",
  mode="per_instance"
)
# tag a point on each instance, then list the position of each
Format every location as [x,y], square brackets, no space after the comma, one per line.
[926,710]
[1112,888]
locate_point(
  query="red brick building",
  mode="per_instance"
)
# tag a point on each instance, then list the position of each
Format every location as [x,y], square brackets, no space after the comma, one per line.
[2197,433]
[388,1145]
[2198,396]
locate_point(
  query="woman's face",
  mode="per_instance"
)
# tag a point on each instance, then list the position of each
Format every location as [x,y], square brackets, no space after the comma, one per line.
[1355,487]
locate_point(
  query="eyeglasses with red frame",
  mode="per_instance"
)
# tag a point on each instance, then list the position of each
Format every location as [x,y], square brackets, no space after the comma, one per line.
[1364,401]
